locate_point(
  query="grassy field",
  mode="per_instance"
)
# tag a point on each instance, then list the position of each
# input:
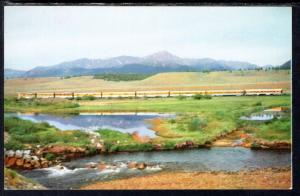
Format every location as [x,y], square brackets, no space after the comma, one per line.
[163,81]
[200,121]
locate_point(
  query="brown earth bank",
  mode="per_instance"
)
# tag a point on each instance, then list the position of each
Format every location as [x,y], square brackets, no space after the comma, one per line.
[270,178]
[240,138]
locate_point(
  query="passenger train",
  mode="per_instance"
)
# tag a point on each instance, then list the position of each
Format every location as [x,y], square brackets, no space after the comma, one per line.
[140,94]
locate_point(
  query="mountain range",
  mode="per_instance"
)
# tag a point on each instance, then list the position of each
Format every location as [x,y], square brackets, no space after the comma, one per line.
[162,61]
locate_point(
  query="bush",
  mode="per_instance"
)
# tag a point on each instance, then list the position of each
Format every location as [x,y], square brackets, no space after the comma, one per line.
[88,97]
[13,174]
[172,121]
[207,97]
[135,147]
[259,103]
[196,124]
[255,146]
[200,96]
[169,145]
[50,156]
[91,150]
[48,137]
[197,96]
[27,138]
[181,97]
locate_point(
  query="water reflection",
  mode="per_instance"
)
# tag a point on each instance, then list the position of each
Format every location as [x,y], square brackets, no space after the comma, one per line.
[123,122]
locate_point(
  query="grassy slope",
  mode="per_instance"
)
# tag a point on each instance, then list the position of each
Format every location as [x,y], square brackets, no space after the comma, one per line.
[14,181]
[162,81]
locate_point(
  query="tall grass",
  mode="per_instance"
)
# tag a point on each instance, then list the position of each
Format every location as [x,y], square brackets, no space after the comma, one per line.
[26,132]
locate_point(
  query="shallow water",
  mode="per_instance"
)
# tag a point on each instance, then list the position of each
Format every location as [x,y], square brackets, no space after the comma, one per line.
[124,122]
[260,117]
[74,174]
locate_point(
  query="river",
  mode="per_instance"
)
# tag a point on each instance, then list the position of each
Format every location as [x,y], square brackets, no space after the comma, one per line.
[74,174]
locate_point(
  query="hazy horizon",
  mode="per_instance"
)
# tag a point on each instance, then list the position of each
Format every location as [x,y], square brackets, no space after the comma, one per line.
[44,35]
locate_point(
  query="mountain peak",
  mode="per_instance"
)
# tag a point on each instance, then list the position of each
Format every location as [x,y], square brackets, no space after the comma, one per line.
[163,56]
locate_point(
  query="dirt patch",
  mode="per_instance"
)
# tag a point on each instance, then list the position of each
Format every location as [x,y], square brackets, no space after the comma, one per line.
[157,125]
[235,138]
[140,139]
[257,179]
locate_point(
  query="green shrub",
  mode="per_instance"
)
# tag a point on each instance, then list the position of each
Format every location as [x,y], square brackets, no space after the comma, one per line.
[181,97]
[135,147]
[172,121]
[111,147]
[259,103]
[207,97]
[50,156]
[88,97]
[91,150]
[169,145]
[196,124]
[114,136]
[200,96]
[13,144]
[220,115]
[197,96]
[27,138]
[255,146]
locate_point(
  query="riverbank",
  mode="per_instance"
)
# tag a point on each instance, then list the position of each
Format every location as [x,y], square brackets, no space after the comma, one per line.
[15,181]
[270,178]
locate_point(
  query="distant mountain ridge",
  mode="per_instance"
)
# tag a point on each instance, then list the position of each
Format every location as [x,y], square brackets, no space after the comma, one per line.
[12,73]
[162,61]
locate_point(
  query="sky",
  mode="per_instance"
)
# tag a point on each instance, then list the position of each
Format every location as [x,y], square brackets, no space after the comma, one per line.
[46,35]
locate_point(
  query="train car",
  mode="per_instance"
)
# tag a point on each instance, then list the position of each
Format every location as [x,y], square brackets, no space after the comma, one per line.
[97,94]
[263,91]
[225,92]
[26,95]
[152,93]
[63,95]
[44,95]
[185,93]
[118,94]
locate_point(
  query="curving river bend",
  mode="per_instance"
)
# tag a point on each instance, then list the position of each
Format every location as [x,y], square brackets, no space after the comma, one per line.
[74,174]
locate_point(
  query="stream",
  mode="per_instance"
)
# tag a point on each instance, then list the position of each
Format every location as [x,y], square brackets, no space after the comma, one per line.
[74,174]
